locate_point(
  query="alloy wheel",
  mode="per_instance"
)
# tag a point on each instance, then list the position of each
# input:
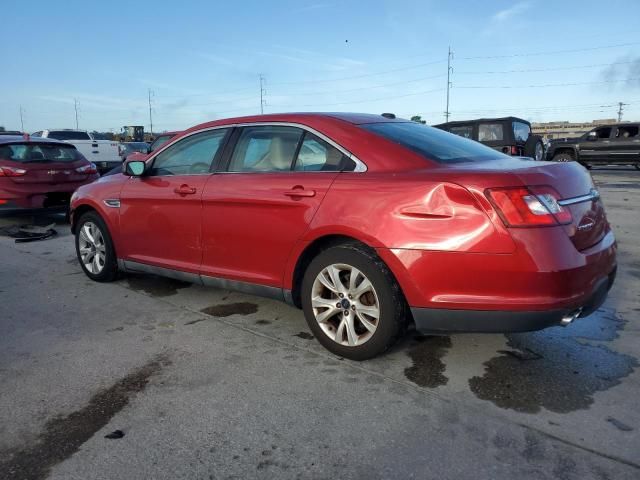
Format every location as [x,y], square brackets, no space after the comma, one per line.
[92,248]
[345,304]
[539,151]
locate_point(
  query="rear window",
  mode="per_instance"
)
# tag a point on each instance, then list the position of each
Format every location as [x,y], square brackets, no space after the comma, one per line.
[68,135]
[31,153]
[433,143]
[490,132]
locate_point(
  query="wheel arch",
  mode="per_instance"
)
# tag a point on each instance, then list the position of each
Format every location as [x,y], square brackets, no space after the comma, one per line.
[312,248]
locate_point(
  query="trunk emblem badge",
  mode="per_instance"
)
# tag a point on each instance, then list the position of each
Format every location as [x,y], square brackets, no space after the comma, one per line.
[586,224]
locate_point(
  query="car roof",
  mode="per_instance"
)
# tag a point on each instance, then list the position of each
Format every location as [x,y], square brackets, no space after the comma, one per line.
[7,139]
[305,118]
[482,120]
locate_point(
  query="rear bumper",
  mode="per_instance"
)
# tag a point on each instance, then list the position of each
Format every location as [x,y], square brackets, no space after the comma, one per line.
[434,320]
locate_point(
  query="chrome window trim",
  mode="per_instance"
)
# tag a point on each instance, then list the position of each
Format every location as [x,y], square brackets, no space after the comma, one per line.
[360,165]
[592,195]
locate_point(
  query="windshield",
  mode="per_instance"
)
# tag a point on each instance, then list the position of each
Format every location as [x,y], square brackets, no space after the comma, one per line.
[433,143]
[68,135]
[160,141]
[521,131]
[29,153]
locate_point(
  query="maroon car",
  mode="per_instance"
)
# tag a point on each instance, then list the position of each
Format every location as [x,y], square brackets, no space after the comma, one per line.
[40,174]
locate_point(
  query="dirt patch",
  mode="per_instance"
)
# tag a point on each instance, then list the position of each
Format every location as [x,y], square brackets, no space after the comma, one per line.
[155,286]
[63,436]
[428,368]
[557,369]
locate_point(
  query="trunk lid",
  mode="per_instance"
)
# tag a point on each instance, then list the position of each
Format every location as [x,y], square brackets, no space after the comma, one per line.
[52,173]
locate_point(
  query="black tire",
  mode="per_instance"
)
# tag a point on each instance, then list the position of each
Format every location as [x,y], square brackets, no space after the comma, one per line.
[109,271]
[534,148]
[392,320]
[563,157]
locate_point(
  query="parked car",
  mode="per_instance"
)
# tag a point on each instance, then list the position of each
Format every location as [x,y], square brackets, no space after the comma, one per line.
[161,139]
[103,153]
[616,144]
[12,133]
[509,135]
[366,223]
[40,174]
[127,148]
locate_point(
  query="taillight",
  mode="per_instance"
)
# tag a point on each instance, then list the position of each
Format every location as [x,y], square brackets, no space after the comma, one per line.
[529,206]
[88,169]
[514,150]
[12,172]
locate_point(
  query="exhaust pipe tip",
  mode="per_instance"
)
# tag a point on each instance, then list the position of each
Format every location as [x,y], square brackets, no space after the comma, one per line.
[567,319]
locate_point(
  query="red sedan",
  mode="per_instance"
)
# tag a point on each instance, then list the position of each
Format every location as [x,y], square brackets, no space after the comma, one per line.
[365,222]
[40,174]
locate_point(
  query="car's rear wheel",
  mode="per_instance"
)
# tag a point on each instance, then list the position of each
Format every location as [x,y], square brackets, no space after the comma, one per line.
[534,148]
[94,248]
[352,303]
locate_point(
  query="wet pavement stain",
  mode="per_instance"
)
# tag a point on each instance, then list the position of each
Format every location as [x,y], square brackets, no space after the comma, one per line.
[63,436]
[619,425]
[226,310]
[156,286]
[558,369]
[428,368]
[263,322]
[304,335]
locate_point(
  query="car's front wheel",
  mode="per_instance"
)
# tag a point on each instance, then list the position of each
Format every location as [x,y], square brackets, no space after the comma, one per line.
[562,157]
[352,303]
[94,248]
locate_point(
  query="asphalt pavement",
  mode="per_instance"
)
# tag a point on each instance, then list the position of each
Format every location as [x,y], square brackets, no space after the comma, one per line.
[155,378]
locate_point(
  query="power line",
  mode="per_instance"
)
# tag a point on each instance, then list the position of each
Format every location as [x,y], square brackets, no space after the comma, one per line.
[263,92]
[21,119]
[548,84]
[150,116]
[75,106]
[553,52]
[530,70]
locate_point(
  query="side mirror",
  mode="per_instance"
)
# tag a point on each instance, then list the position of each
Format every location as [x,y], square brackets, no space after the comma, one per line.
[592,137]
[134,168]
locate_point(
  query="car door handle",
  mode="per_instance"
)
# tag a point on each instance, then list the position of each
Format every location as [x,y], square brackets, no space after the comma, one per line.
[184,190]
[300,192]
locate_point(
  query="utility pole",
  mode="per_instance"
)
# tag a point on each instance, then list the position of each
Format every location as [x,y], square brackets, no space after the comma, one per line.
[21,119]
[449,70]
[75,106]
[150,115]
[620,105]
[263,93]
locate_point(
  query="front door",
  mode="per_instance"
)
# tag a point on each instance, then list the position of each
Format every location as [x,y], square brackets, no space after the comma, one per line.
[598,149]
[254,213]
[161,212]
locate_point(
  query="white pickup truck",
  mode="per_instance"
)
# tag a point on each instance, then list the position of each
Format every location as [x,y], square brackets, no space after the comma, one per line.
[103,153]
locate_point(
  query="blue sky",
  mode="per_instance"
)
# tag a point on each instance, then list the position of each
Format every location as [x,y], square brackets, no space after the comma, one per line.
[202,60]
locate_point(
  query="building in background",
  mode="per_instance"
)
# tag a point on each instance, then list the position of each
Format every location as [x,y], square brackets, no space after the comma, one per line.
[550,130]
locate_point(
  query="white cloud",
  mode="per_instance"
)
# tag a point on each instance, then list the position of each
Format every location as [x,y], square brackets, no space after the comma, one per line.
[508,13]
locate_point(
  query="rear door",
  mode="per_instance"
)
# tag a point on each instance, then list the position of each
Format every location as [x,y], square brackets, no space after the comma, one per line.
[161,212]
[625,144]
[256,210]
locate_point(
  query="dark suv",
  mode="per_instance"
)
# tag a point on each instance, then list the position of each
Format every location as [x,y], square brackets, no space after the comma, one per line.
[510,135]
[617,144]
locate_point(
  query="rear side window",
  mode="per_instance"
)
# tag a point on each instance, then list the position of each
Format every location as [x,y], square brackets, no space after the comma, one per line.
[316,155]
[521,131]
[465,131]
[490,132]
[628,131]
[160,141]
[28,153]
[68,135]
[265,149]
[432,143]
